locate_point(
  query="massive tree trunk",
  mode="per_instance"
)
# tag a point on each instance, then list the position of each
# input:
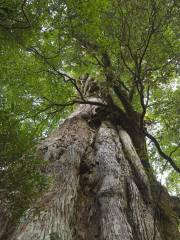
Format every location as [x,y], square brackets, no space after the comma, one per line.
[100,190]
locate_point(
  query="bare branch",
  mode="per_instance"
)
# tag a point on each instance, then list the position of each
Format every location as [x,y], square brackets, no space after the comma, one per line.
[24,13]
[173,151]
[160,151]
[65,76]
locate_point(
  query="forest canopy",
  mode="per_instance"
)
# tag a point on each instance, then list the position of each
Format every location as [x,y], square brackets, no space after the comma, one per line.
[130,48]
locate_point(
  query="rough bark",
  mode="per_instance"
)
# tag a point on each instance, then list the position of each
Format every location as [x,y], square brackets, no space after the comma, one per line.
[100,189]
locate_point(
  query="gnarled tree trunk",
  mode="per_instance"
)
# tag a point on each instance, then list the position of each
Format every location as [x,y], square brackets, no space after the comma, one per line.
[100,189]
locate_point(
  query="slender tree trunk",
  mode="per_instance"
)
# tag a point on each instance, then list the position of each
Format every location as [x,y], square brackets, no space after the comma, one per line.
[100,189]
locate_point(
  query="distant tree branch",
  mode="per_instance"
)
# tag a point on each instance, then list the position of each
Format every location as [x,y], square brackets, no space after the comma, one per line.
[24,13]
[10,22]
[160,151]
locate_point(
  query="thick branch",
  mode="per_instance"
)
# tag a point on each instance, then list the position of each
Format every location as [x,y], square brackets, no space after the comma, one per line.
[117,86]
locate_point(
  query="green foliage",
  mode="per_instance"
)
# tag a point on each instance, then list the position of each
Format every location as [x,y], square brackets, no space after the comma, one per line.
[26,92]
[163,113]
[20,178]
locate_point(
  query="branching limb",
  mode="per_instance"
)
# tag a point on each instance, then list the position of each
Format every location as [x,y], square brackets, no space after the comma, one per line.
[54,107]
[24,13]
[147,134]
[12,23]
[160,151]
[144,105]
[126,65]
[64,75]
[174,150]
